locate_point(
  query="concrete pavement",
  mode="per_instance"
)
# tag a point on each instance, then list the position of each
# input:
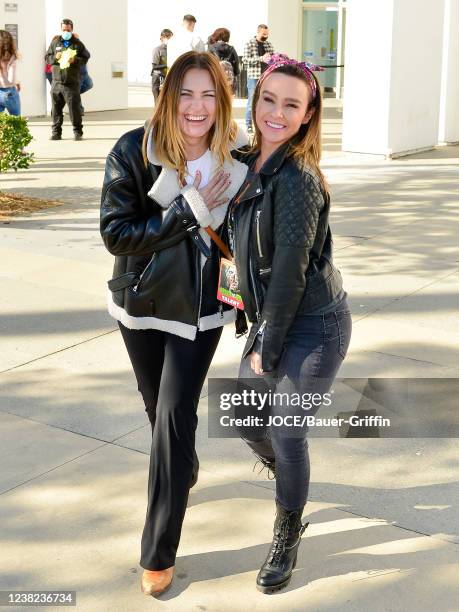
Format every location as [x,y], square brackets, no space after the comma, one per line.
[75,440]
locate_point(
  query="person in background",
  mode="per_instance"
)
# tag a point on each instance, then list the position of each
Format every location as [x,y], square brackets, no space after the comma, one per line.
[66,82]
[226,53]
[86,82]
[9,84]
[159,62]
[184,40]
[49,73]
[257,52]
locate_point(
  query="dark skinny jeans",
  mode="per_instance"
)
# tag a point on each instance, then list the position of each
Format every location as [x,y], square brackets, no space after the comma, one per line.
[315,347]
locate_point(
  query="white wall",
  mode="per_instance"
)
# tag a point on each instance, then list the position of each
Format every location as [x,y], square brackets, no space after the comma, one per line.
[102,27]
[285,26]
[393,76]
[30,18]
[417,45]
[368,58]
[147,19]
[449,104]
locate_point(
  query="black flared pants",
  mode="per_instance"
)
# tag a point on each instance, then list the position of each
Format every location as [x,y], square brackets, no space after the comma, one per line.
[170,373]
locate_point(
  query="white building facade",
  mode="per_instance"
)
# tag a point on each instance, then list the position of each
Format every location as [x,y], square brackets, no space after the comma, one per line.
[101,25]
[394,63]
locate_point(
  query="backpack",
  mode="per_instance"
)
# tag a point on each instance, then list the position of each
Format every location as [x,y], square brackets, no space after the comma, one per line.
[228,70]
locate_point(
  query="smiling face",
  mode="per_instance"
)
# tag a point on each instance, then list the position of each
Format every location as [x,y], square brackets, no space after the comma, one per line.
[197,105]
[282,108]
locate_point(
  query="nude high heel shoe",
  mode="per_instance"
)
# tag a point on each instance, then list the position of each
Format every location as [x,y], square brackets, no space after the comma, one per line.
[155,582]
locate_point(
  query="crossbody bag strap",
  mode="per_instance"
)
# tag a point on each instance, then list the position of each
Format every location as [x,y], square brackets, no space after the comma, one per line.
[219,242]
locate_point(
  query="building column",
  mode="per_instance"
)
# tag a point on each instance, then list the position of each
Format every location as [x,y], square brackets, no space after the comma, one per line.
[284,21]
[393,76]
[26,20]
[449,105]
[102,27]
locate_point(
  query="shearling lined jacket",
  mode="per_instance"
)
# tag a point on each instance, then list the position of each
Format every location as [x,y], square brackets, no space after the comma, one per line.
[282,243]
[166,267]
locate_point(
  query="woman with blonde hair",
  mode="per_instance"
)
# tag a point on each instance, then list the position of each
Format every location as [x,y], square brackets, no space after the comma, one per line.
[292,293]
[9,84]
[164,185]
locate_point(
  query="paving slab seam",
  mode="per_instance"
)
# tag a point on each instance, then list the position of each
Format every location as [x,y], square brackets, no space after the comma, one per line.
[61,350]
[434,363]
[397,525]
[79,433]
[398,299]
[53,468]
[383,232]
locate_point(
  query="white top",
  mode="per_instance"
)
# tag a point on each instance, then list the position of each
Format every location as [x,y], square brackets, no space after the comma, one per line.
[182,42]
[8,73]
[203,164]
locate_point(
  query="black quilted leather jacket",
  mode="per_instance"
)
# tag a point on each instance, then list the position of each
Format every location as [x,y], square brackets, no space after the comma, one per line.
[282,243]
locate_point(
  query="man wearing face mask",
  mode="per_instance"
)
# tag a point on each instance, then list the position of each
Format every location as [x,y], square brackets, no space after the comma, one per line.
[257,51]
[66,54]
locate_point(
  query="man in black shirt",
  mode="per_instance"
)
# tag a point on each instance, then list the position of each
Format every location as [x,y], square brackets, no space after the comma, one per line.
[66,54]
[159,62]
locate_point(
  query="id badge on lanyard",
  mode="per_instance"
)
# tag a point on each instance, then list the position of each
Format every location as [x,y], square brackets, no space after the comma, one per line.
[228,284]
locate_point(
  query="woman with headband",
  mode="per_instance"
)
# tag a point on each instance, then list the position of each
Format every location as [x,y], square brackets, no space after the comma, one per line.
[293,295]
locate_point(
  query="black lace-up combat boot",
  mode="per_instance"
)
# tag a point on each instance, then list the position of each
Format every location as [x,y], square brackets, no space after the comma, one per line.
[277,569]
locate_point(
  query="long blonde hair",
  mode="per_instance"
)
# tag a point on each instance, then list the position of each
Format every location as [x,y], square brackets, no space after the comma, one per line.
[306,144]
[167,136]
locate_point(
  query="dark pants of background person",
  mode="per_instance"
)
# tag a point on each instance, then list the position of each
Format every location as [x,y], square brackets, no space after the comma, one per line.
[170,373]
[251,85]
[156,81]
[314,350]
[60,96]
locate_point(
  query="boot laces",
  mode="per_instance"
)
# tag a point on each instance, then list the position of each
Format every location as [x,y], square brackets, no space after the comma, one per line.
[278,547]
[265,463]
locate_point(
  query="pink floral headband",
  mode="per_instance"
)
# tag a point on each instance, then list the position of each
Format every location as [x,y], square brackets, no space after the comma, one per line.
[280,59]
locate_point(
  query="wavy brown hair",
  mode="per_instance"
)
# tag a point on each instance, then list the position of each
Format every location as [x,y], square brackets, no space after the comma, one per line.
[8,48]
[164,126]
[221,34]
[306,144]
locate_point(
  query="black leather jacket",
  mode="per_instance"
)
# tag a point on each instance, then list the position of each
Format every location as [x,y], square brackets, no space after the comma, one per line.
[283,250]
[157,271]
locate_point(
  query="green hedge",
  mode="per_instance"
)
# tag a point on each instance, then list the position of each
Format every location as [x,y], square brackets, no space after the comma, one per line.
[14,136]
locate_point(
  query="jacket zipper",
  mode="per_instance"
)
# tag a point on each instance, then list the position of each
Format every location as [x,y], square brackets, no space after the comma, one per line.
[261,331]
[250,265]
[233,232]
[257,220]
[144,271]
[252,276]
[200,288]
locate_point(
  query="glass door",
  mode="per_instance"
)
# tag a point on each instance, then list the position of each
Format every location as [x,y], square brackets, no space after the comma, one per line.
[323,42]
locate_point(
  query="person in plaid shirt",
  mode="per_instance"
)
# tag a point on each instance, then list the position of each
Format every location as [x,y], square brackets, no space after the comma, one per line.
[257,51]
